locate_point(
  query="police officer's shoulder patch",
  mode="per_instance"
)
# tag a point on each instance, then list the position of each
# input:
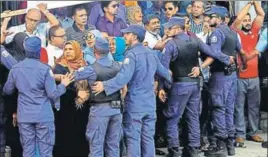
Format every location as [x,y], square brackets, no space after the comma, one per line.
[51,73]
[81,69]
[126,61]
[214,39]
[5,54]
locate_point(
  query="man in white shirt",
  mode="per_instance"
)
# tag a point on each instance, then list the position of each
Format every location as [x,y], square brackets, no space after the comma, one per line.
[32,26]
[152,36]
[57,39]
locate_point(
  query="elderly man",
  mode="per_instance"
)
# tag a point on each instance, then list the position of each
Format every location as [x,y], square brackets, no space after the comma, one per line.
[32,26]
[196,20]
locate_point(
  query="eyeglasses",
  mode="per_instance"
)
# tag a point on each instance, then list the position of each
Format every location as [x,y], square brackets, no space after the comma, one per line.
[155,22]
[60,36]
[88,37]
[169,8]
[173,28]
[115,5]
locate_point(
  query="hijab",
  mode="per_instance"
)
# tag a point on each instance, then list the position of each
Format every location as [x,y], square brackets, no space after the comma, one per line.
[78,60]
[119,49]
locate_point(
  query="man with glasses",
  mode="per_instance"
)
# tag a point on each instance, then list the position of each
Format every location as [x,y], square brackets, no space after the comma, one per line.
[181,56]
[32,26]
[57,38]
[223,83]
[110,25]
[170,8]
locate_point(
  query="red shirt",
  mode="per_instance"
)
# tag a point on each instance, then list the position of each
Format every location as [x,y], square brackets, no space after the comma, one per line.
[43,56]
[249,42]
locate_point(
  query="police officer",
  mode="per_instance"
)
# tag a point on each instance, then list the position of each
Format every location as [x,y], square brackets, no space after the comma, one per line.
[6,62]
[37,89]
[223,83]
[137,71]
[181,55]
[105,118]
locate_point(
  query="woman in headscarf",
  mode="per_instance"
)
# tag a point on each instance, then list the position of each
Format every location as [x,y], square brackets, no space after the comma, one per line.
[117,46]
[71,119]
[134,15]
[90,39]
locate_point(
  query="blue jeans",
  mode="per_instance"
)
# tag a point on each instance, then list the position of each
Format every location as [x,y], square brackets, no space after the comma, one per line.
[250,89]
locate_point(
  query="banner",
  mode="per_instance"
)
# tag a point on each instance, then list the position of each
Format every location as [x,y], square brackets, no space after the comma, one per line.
[54,4]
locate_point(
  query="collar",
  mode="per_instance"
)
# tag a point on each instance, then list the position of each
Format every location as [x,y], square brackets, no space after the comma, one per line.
[157,36]
[105,61]
[192,19]
[106,20]
[136,45]
[54,47]
[34,32]
[76,29]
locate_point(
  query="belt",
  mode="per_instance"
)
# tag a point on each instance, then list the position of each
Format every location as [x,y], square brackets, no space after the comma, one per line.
[186,79]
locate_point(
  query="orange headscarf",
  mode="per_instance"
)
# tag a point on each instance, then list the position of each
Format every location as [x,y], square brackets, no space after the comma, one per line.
[78,60]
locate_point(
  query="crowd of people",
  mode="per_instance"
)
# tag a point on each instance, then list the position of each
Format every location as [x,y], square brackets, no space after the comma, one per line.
[120,79]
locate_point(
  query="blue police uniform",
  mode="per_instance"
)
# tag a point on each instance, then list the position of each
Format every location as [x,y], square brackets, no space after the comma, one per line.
[181,55]
[139,117]
[105,119]
[37,89]
[223,85]
[6,61]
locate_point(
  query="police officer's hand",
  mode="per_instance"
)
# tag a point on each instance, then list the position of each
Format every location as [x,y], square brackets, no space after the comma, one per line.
[195,72]
[67,79]
[97,87]
[14,119]
[232,60]
[162,95]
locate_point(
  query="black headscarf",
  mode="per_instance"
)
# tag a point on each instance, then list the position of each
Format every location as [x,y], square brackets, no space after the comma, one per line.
[15,47]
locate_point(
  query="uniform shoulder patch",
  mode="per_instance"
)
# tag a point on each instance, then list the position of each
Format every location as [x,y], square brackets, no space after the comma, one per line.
[214,39]
[51,73]
[5,54]
[81,69]
[126,61]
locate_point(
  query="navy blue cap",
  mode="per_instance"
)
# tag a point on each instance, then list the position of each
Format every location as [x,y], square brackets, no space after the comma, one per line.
[135,29]
[32,47]
[149,17]
[102,45]
[175,21]
[221,11]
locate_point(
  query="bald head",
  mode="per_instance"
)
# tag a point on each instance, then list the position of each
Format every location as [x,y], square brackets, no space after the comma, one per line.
[32,18]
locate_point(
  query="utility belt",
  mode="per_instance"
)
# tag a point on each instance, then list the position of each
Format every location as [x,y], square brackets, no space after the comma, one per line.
[116,104]
[186,79]
[264,82]
[228,70]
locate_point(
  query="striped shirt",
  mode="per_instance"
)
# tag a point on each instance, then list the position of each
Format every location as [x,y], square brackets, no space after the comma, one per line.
[196,28]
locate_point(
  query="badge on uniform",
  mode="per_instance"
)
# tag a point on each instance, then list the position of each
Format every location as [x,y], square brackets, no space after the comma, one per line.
[5,54]
[214,39]
[51,73]
[126,61]
[81,69]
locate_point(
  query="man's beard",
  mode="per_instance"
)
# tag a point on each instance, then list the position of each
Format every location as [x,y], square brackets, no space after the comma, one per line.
[244,29]
[156,31]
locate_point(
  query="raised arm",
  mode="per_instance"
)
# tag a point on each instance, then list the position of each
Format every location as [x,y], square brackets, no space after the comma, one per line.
[50,17]
[241,15]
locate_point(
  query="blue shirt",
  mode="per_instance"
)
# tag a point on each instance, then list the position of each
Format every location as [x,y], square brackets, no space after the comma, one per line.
[217,39]
[6,59]
[89,56]
[37,90]
[138,71]
[89,73]
[262,44]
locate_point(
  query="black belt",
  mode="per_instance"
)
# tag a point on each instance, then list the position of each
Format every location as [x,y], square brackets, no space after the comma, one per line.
[186,79]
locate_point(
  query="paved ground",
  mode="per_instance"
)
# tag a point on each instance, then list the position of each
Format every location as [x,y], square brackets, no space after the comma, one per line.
[253,149]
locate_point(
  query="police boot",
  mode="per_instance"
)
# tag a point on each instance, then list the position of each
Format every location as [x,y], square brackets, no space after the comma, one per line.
[211,146]
[230,146]
[173,152]
[190,152]
[219,151]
